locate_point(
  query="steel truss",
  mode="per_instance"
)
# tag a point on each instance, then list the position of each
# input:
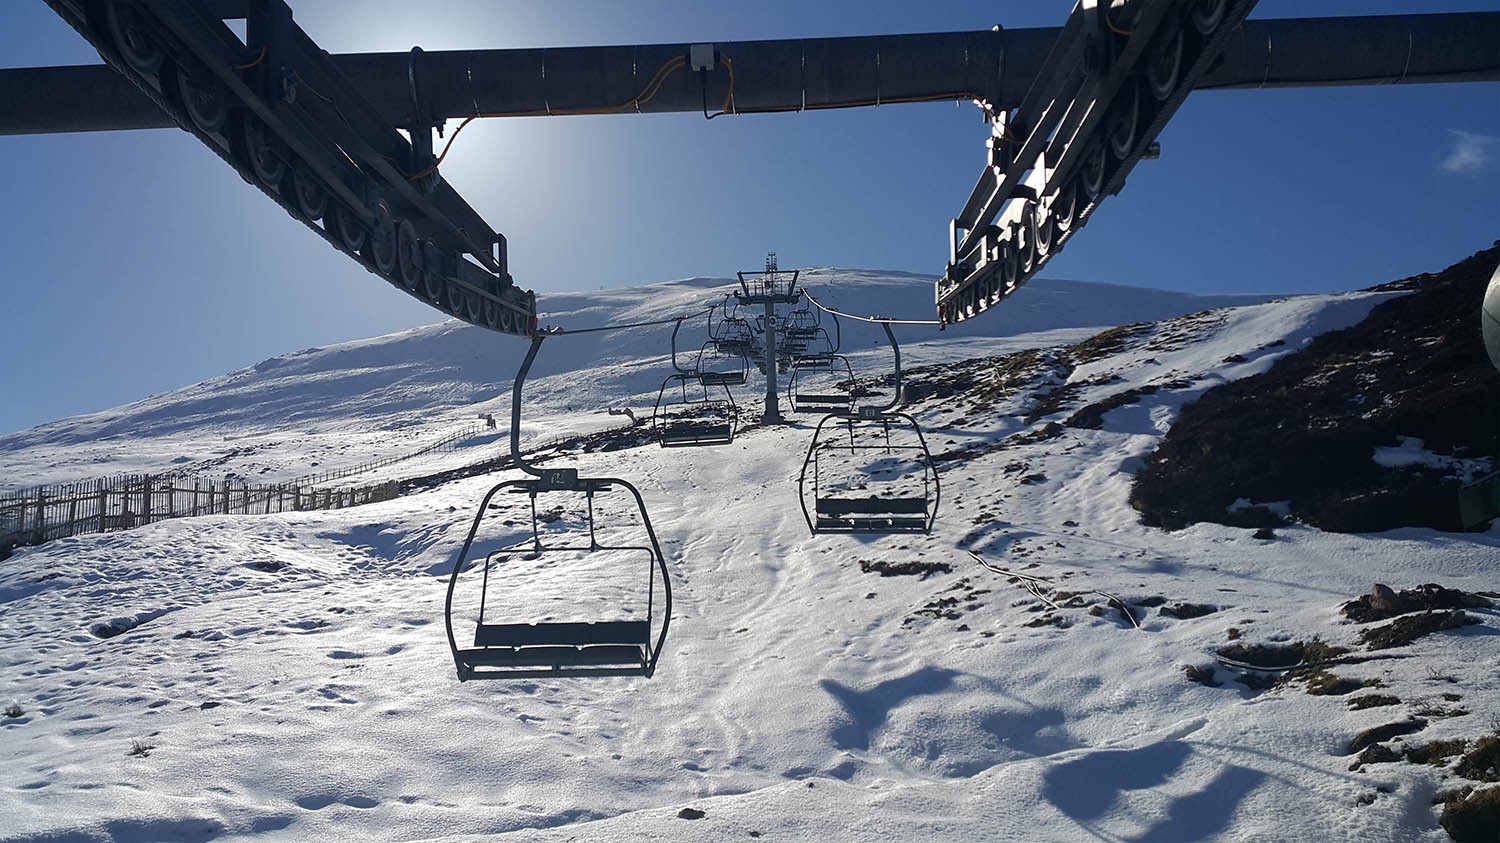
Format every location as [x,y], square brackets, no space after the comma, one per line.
[1116,75]
[278,110]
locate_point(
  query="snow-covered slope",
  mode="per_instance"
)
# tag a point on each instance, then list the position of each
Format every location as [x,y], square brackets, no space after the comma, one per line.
[288,676]
[346,404]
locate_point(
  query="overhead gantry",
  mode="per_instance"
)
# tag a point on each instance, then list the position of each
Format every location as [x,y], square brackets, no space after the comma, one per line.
[345,143]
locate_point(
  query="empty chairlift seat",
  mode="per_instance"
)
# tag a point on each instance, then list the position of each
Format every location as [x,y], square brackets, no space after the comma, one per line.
[869,473]
[821,384]
[871,515]
[719,365]
[691,410]
[582,590]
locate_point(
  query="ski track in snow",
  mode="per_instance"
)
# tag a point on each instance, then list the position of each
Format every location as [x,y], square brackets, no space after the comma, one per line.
[288,676]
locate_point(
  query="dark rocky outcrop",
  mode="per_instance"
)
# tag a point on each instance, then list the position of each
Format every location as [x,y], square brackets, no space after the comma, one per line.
[1306,430]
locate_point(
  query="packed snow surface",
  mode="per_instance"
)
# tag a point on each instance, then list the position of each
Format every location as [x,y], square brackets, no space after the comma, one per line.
[289,676]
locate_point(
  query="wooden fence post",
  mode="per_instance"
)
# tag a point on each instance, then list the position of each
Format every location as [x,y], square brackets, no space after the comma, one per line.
[41,512]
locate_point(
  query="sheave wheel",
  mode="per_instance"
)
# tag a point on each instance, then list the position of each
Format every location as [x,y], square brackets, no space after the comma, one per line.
[474,309]
[1165,67]
[1043,230]
[127,28]
[1064,205]
[435,288]
[381,249]
[1026,248]
[1206,14]
[1126,121]
[264,152]
[409,255]
[346,226]
[308,190]
[491,314]
[1091,173]
[1010,264]
[203,97]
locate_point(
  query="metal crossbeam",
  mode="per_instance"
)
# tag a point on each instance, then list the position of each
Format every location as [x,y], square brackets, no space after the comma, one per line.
[998,66]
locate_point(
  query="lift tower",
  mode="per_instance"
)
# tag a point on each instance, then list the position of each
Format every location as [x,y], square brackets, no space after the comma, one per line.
[769,288]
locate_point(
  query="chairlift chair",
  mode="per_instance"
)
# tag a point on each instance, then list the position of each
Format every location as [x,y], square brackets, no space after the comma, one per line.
[544,632]
[802,322]
[716,365]
[735,336]
[822,383]
[869,470]
[731,334]
[689,412]
[807,336]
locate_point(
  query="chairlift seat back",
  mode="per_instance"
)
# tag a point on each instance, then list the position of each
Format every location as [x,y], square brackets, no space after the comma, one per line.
[871,505]
[821,404]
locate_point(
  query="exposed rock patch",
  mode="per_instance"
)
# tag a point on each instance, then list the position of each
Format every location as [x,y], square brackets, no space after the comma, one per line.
[1381,734]
[1383,603]
[1306,431]
[1409,628]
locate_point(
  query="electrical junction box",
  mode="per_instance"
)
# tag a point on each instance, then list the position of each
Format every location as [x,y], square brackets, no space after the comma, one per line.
[701,57]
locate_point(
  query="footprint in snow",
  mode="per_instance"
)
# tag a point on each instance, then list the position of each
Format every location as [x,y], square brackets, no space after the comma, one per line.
[319,801]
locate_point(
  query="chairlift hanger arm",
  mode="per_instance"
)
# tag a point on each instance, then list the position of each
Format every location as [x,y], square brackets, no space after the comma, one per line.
[515,410]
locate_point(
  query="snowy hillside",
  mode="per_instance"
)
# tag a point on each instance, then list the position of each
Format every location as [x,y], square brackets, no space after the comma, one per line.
[342,405]
[287,677]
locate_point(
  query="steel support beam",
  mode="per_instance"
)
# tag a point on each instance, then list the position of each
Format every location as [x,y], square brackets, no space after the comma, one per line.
[794,75]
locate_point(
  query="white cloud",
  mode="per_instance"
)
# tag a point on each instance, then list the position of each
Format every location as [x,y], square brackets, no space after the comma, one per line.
[1471,152]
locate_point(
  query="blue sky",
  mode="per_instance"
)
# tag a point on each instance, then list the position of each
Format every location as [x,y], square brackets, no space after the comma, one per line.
[137,262]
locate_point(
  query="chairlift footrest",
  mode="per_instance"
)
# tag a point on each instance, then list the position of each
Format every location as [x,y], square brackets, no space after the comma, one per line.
[871,525]
[556,657]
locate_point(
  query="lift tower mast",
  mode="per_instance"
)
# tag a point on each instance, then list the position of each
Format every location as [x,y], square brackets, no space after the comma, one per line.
[769,288]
